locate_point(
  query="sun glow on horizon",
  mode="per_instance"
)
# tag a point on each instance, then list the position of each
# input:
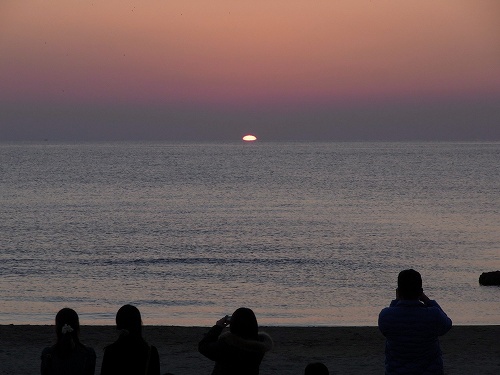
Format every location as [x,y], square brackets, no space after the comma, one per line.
[249,138]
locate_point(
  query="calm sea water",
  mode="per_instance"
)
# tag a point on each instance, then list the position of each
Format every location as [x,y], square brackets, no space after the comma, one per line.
[303,233]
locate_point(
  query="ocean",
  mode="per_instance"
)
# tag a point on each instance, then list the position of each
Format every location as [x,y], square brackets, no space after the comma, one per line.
[305,234]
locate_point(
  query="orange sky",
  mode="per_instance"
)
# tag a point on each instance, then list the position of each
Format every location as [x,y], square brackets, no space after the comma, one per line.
[252,53]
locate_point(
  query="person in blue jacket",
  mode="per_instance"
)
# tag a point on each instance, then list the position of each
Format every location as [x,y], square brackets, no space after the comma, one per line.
[411,325]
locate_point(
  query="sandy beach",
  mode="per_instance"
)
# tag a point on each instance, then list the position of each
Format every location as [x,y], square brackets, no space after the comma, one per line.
[345,350]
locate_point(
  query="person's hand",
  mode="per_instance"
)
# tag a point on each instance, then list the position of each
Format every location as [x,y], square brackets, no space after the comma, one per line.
[424,298]
[223,322]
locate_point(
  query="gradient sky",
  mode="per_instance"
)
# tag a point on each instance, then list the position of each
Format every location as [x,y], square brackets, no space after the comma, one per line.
[216,70]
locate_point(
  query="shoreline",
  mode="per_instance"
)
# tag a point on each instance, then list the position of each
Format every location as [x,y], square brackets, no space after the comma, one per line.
[345,350]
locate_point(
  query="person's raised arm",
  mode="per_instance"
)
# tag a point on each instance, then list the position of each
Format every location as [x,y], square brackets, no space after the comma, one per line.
[444,323]
[209,346]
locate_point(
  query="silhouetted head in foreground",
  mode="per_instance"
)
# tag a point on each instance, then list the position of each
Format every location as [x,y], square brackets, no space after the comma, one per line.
[128,318]
[67,331]
[244,323]
[409,284]
[317,368]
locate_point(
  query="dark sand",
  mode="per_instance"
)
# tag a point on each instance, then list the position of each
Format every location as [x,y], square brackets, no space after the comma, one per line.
[345,350]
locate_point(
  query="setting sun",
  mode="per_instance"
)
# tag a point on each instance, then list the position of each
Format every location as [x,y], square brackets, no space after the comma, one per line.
[249,138]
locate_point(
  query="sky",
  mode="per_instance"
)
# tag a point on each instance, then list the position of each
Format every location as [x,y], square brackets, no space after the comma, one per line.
[284,70]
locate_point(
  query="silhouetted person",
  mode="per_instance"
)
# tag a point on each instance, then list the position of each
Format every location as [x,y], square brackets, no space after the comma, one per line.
[130,354]
[239,351]
[317,368]
[411,325]
[68,356]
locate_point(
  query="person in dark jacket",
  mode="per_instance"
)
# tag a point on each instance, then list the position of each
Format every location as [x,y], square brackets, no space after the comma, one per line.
[68,356]
[239,351]
[412,324]
[130,354]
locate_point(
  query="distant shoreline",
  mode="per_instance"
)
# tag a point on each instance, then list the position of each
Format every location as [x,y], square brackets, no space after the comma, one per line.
[467,349]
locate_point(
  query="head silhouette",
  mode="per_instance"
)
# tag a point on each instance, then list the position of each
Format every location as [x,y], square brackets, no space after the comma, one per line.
[128,318]
[244,323]
[67,331]
[409,284]
[68,319]
[317,368]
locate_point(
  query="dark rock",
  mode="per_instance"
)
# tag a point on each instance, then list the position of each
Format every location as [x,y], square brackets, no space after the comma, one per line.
[490,278]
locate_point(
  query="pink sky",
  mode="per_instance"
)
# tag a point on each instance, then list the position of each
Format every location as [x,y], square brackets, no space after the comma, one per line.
[234,54]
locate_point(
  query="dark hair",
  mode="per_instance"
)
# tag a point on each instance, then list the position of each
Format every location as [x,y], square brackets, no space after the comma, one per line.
[316,368]
[67,331]
[128,318]
[409,284]
[244,323]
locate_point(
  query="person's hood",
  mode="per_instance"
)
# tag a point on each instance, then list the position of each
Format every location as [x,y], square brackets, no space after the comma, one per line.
[263,344]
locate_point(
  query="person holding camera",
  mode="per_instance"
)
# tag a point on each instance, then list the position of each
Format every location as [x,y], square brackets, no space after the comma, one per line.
[411,325]
[239,351]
